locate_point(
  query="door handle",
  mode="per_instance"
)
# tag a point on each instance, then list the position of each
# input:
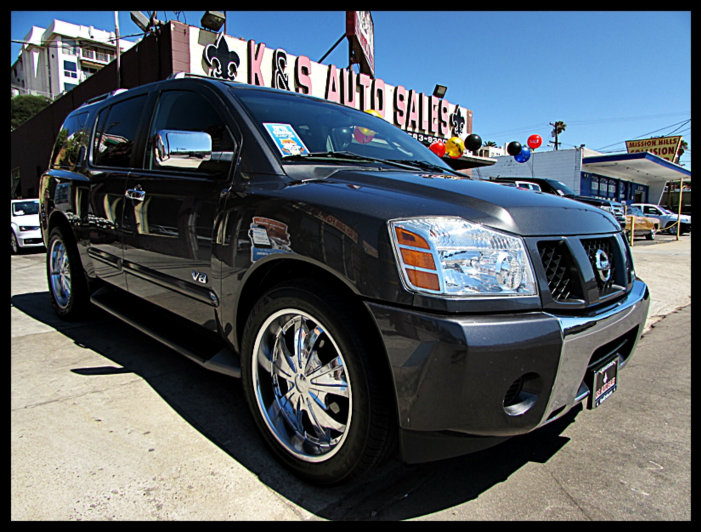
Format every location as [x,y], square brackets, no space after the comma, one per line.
[135,194]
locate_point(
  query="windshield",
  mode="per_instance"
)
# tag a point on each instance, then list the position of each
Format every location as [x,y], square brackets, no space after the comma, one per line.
[561,188]
[20,208]
[635,210]
[299,127]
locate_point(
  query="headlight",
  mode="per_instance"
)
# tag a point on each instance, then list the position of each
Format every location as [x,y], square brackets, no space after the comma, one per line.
[24,228]
[453,257]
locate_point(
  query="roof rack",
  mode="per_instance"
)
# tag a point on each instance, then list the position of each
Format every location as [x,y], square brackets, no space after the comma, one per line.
[181,75]
[104,96]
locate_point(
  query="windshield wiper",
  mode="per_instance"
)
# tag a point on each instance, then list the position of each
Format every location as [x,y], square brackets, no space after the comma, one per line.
[346,156]
[425,165]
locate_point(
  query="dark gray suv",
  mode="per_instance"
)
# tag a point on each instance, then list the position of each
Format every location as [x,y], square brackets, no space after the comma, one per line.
[370,299]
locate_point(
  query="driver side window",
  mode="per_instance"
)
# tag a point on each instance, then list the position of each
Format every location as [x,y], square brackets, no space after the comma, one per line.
[182,110]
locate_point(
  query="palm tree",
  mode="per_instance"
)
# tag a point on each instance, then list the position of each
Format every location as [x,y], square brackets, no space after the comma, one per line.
[558,127]
[683,146]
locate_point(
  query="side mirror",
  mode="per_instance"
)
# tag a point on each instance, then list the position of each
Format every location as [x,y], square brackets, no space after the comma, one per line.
[185,150]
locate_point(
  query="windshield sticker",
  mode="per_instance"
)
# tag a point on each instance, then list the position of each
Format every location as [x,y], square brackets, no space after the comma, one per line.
[286,139]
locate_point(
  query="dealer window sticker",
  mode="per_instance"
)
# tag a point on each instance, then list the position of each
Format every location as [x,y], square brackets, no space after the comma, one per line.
[286,139]
[268,236]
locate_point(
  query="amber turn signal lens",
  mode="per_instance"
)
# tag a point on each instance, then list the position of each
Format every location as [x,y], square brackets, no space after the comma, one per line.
[420,259]
[426,280]
[407,238]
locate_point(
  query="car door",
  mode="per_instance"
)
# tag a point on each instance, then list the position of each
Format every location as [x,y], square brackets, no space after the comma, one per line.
[170,209]
[113,152]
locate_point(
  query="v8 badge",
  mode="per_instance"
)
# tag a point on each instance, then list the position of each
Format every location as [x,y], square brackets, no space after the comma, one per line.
[199,277]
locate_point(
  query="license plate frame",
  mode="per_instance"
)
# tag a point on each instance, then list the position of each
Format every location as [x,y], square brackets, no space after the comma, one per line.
[603,382]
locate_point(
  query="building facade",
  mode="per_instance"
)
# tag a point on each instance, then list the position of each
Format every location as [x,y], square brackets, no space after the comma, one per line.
[177,47]
[624,177]
[54,60]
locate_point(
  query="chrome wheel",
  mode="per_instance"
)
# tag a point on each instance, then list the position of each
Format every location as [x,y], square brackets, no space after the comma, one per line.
[60,273]
[301,385]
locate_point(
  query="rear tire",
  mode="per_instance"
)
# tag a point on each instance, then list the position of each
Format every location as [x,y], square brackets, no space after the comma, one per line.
[313,384]
[68,287]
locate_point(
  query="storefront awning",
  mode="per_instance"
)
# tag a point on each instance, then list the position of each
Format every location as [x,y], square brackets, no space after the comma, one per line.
[645,167]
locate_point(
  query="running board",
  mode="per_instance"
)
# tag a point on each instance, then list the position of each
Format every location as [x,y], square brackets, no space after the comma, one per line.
[173,331]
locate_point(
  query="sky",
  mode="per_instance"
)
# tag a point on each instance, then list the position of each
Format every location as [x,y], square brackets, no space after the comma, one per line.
[610,76]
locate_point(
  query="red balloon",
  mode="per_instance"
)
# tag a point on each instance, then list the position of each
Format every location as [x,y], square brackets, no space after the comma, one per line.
[534,141]
[438,148]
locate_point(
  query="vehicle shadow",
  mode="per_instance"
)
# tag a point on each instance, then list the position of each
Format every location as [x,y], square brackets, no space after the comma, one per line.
[214,404]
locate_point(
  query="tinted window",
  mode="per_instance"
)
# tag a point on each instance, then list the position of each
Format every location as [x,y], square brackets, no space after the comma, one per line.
[70,139]
[117,127]
[189,111]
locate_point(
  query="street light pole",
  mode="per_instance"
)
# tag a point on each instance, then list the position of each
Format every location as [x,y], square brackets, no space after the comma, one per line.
[116,32]
[679,213]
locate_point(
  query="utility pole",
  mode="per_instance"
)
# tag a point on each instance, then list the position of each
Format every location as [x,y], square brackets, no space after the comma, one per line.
[116,32]
[556,132]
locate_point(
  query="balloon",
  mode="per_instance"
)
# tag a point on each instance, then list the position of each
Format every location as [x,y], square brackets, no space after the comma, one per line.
[438,148]
[454,147]
[373,113]
[534,141]
[513,148]
[473,142]
[523,155]
[363,135]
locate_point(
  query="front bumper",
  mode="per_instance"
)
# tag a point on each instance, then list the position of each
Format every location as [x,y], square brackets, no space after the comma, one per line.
[464,383]
[29,239]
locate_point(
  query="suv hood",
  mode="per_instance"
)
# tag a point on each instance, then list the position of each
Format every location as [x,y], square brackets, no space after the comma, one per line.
[26,220]
[396,194]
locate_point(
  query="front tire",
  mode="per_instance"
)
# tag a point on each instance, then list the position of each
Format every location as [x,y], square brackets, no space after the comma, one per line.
[313,384]
[14,243]
[68,287]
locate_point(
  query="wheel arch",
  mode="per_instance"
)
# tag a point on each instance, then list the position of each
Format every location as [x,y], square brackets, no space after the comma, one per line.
[59,219]
[282,270]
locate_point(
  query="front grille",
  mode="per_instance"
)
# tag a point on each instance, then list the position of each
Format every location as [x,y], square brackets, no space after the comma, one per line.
[592,247]
[560,272]
[572,274]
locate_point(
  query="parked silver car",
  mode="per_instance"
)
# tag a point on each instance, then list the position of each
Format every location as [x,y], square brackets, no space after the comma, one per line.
[667,218]
[24,225]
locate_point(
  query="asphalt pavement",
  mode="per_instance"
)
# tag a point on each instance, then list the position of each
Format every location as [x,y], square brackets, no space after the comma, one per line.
[107,424]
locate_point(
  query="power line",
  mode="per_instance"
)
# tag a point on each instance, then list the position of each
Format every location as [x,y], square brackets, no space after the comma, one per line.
[680,124]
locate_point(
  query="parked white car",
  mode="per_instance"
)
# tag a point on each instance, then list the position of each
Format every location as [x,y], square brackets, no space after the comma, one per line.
[24,225]
[666,217]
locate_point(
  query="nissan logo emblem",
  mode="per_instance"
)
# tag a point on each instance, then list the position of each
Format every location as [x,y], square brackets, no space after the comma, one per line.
[603,265]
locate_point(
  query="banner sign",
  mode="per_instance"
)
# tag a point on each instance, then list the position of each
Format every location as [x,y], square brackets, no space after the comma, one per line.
[360,31]
[665,147]
[424,116]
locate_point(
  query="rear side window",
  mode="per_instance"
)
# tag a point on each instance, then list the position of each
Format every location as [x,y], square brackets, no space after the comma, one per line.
[115,136]
[71,138]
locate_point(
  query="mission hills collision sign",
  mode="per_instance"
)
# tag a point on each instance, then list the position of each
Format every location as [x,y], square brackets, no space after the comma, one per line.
[665,147]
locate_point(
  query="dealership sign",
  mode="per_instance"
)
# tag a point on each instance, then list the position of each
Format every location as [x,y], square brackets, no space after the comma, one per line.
[426,117]
[665,147]
[360,31]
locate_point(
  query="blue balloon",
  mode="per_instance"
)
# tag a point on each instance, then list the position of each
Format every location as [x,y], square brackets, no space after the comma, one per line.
[523,155]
